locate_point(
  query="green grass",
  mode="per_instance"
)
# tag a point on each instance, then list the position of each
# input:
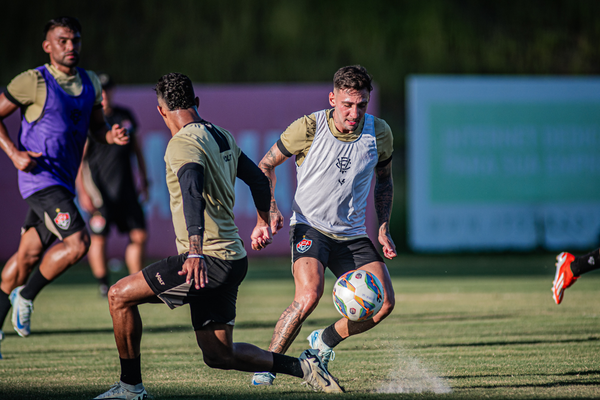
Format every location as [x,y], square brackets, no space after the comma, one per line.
[481,326]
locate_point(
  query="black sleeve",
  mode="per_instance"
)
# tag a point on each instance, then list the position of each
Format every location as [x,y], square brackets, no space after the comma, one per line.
[12,99]
[249,172]
[283,150]
[383,163]
[191,182]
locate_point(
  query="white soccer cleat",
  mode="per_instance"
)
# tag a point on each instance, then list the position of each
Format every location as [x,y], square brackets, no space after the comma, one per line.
[325,352]
[119,392]
[263,379]
[315,374]
[21,312]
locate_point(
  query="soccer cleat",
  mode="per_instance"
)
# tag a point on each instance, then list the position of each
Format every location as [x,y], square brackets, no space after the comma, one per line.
[263,379]
[315,374]
[119,392]
[1,339]
[21,312]
[325,352]
[564,276]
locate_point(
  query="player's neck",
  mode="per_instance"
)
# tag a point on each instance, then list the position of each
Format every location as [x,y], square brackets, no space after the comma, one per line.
[63,68]
[180,118]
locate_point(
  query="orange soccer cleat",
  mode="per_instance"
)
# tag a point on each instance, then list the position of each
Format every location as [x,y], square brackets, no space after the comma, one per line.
[564,276]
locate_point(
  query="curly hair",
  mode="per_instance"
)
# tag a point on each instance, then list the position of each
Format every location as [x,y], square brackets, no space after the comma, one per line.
[66,22]
[176,90]
[353,77]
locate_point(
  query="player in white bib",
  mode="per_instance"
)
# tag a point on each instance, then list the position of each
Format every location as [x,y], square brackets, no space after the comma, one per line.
[337,151]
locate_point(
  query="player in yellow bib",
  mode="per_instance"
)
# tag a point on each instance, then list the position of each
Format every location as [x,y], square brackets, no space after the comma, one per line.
[203,162]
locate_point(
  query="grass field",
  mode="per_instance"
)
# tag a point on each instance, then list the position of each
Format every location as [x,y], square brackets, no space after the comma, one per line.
[476,326]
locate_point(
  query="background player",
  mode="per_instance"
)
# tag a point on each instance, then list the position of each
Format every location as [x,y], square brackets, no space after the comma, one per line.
[59,102]
[203,162]
[336,152]
[107,191]
[569,268]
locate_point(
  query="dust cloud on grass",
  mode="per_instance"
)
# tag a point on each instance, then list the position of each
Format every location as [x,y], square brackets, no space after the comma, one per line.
[410,375]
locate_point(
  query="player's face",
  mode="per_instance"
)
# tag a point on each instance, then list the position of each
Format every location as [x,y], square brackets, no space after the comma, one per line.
[63,45]
[350,107]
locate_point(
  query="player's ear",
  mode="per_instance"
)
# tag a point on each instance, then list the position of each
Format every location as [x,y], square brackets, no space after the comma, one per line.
[160,111]
[332,99]
[46,46]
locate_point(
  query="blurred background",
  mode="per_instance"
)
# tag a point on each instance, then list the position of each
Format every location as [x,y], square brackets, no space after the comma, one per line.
[304,42]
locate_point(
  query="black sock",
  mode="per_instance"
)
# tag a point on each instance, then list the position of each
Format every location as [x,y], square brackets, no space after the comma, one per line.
[286,365]
[4,307]
[330,336]
[34,286]
[131,370]
[103,280]
[586,263]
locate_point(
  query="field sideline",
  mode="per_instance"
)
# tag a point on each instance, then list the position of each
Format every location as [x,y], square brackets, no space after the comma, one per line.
[464,327]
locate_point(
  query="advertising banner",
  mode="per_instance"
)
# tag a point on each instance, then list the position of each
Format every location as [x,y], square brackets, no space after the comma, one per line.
[255,114]
[503,163]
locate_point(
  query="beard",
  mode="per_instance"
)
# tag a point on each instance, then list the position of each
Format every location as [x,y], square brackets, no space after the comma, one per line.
[70,62]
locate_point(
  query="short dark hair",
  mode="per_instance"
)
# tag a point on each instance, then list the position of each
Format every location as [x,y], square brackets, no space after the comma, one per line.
[66,22]
[353,77]
[176,90]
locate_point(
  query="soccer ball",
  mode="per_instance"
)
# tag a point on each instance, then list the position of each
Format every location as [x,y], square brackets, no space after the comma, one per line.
[358,295]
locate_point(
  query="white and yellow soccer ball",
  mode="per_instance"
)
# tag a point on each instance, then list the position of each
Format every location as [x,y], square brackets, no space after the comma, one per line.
[358,295]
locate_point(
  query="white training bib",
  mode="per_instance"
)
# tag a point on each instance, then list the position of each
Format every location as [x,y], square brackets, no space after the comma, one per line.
[334,180]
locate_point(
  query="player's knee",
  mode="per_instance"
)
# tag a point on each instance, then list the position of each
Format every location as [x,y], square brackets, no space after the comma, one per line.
[115,297]
[308,300]
[218,361]
[77,246]
[138,236]
[388,305]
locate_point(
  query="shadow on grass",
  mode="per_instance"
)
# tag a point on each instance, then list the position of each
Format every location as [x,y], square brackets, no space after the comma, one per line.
[164,329]
[507,343]
[477,376]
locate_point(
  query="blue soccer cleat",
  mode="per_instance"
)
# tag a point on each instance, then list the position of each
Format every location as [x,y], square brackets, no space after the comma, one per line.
[263,379]
[325,352]
[21,313]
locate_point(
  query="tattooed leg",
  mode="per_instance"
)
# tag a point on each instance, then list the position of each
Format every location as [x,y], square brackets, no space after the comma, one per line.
[309,280]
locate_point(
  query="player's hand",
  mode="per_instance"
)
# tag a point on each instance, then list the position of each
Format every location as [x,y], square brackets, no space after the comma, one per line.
[119,135]
[86,202]
[385,239]
[276,219]
[261,236]
[24,160]
[195,268]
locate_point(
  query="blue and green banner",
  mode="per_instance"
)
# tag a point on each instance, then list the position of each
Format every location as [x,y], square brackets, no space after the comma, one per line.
[501,163]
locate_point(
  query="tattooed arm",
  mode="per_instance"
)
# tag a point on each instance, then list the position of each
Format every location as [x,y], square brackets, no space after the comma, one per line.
[384,194]
[273,158]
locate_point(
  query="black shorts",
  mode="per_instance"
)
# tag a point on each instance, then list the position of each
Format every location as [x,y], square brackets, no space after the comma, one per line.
[53,214]
[213,303]
[127,215]
[340,256]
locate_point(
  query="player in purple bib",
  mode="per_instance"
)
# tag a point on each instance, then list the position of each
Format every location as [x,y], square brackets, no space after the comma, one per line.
[57,114]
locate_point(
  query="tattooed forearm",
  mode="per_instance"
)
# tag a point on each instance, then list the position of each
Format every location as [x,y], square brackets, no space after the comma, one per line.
[287,328]
[195,244]
[273,158]
[384,194]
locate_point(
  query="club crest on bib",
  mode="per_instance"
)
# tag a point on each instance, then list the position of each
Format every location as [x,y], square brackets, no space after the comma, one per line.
[343,163]
[303,245]
[62,220]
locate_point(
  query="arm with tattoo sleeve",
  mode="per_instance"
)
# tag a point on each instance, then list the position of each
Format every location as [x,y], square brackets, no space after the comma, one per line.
[384,195]
[273,158]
